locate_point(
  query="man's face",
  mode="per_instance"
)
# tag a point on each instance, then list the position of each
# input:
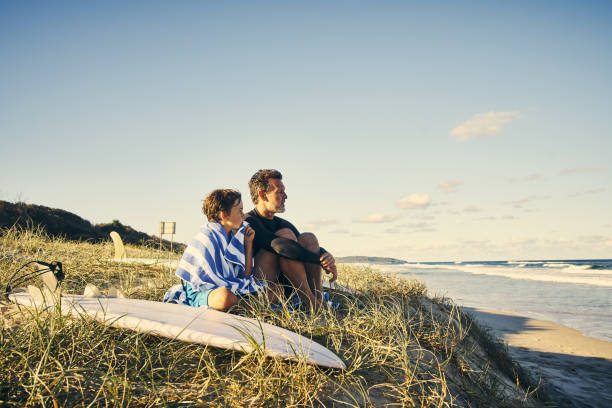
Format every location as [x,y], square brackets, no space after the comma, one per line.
[276,196]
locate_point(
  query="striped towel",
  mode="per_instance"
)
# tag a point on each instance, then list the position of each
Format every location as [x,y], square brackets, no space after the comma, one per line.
[210,262]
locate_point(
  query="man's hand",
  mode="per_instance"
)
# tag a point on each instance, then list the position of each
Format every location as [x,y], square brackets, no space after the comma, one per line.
[329,264]
[249,235]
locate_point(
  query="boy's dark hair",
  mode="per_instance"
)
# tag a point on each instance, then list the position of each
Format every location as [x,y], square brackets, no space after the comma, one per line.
[259,182]
[220,200]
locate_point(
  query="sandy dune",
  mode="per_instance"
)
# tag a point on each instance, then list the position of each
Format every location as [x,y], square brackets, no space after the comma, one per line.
[579,368]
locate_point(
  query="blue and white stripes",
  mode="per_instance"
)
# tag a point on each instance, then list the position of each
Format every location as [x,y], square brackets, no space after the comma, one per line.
[210,261]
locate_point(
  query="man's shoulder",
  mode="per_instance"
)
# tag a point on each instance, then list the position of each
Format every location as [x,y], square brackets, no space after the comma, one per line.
[253,215]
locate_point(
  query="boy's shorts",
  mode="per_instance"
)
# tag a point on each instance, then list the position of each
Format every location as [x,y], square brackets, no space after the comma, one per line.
[198,299]
[195,297]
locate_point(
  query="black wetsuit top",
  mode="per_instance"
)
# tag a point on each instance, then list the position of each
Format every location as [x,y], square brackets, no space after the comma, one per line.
[265,238]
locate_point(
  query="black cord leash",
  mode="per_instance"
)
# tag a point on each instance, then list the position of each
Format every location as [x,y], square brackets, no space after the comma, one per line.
[19,279]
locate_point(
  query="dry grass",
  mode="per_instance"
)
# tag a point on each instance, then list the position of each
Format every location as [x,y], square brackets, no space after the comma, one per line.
[400,347]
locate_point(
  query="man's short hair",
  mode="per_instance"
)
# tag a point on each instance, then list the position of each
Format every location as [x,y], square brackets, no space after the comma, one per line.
[220,200]
[261,182]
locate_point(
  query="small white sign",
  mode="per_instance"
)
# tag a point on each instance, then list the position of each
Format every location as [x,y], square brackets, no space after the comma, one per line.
[167,227]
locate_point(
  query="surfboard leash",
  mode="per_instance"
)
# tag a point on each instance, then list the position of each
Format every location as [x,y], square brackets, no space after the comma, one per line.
[18,279]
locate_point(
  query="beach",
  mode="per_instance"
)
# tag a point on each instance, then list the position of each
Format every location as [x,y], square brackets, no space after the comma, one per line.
[575,368]
[555,317]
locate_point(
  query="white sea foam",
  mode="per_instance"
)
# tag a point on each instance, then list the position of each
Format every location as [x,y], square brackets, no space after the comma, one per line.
[577,274]
[573,274]
[561,265]
[548,277]
[572,295]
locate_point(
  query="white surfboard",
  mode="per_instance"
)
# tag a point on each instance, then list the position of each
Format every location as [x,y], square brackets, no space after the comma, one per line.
[196,325]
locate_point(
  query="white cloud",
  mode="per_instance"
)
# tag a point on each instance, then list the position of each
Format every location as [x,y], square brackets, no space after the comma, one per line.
[472,209]
[415,201]
[608,243]
[581,193]
[377,218]
[582,170]
[450,186]
[483,125]
[339,231]
[519,203]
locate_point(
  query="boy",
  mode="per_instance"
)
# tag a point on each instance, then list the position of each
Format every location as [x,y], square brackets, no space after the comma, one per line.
[216,267]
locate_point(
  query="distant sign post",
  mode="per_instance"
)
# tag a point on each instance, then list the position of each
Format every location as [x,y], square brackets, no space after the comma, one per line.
[167,227]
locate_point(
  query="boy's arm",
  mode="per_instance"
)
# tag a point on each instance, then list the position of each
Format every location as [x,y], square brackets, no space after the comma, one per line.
[249,234]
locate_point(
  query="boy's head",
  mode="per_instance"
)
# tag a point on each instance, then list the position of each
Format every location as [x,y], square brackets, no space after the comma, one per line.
[220,200]
[261,182]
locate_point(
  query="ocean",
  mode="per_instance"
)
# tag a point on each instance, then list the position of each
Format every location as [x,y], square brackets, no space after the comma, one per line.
[572,293]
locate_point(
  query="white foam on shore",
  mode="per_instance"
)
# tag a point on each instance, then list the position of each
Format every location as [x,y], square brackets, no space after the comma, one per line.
[561,273]
[571,296]
[573,274]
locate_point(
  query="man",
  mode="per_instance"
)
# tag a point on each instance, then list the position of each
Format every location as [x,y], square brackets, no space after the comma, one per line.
[279,249]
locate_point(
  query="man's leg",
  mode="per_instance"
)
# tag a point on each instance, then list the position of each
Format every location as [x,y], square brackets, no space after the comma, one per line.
[313,271]
[267,269]
[296,273]
[266,266]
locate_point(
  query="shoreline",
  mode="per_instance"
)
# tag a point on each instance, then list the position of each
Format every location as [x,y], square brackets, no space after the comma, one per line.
[571,365]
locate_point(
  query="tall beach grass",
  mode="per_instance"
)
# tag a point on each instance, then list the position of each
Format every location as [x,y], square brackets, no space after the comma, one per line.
[401,347]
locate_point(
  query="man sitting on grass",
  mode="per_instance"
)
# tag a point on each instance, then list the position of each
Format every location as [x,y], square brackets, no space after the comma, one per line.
[281,252]
[216,266]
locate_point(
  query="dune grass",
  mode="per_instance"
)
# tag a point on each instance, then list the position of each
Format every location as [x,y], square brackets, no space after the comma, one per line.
[401,348]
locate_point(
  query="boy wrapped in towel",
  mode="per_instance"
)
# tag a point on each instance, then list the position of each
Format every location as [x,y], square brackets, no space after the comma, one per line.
[216,266]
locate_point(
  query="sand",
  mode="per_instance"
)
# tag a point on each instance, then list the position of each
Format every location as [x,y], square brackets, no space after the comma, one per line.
[576,369]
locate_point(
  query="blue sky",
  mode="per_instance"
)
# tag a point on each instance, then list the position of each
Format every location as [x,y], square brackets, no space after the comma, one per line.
[424,131]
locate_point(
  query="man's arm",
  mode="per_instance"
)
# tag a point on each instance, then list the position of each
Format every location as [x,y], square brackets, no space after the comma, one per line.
[326,260]
[284,247]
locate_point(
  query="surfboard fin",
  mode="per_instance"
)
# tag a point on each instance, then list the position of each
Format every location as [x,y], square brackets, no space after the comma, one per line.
[120,252]
[91,291]
[51,274]
[116,293]
[50,278]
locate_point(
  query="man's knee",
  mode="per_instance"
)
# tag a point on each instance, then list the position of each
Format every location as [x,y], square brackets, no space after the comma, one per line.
[222,299]
[309,241]
[286,233]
